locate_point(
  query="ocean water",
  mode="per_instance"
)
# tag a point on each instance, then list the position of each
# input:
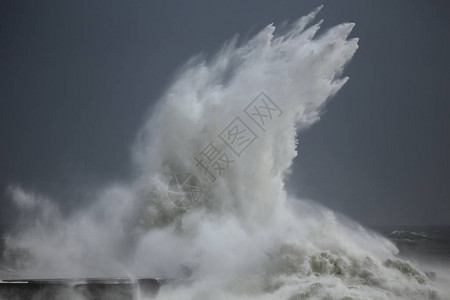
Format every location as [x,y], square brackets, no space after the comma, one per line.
[208,210]
[420,243]
[426,245]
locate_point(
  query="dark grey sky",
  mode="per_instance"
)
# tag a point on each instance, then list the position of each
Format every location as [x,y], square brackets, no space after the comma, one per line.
[76,78]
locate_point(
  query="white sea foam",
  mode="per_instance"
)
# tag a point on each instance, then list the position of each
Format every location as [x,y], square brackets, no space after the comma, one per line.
[246,239]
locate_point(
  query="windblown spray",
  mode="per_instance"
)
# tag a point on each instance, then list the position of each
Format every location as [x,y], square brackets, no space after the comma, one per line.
[210,205]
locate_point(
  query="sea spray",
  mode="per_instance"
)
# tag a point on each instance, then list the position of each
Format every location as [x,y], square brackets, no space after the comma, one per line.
[245,238]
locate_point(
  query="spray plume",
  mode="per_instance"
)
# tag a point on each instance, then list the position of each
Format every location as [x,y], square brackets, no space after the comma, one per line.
[245,238]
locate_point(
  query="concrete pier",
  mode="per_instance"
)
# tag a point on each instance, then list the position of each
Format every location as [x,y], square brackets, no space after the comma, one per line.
[89,288]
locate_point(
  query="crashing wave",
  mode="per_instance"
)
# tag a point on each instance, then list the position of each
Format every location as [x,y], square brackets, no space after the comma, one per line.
[245,238]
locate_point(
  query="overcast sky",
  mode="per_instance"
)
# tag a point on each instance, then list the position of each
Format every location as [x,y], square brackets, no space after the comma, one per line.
[77,78]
